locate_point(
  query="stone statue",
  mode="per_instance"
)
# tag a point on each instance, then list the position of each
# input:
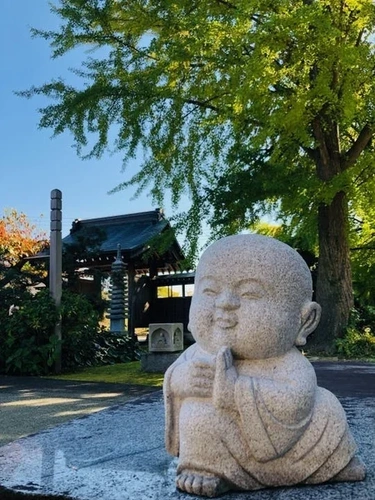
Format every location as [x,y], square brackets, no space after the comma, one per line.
[243,409]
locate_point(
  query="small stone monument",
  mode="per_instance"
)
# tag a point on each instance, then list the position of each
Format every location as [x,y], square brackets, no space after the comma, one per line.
[165,342]
[243,409]
[165,337]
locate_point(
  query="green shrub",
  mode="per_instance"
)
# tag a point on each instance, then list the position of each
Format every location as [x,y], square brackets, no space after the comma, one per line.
[357,344]
[362,316]
[79,326]
[27,343]
[84,342]
[114,348]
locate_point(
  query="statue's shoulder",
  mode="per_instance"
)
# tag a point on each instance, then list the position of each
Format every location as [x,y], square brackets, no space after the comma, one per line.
[190,353]
[290,368]
[299,368]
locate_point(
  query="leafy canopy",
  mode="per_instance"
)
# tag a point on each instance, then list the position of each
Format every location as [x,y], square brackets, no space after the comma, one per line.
[236,103]
[19,238]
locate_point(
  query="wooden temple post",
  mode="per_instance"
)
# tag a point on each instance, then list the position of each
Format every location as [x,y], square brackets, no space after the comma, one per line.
[55,265]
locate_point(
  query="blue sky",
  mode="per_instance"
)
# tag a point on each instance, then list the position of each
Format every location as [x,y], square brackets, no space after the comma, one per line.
[31,162]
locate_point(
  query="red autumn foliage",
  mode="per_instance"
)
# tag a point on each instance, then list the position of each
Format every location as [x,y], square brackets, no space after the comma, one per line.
[18,237]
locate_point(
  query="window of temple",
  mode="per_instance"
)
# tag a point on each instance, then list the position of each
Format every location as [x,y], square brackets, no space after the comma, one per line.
[168,291]
[189,290]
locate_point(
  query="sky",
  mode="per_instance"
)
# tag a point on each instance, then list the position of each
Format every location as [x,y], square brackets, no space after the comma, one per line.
[32,163]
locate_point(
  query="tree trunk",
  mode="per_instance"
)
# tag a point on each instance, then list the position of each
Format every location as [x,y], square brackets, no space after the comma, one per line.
[334,283]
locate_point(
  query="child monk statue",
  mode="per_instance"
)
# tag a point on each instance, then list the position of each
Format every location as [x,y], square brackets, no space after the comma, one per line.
[243,409]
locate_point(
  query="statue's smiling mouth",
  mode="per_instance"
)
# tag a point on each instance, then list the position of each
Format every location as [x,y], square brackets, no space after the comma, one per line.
[226,321]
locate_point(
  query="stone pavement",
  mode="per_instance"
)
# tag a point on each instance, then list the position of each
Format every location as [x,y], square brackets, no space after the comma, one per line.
[32,404]
[118,453]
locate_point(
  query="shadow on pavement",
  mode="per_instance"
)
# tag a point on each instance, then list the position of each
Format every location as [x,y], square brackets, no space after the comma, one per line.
[31,404]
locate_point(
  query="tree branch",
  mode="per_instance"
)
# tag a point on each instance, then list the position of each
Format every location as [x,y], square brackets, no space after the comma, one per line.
[324,160]
[114,38]
[203,104]
[227,4]
[311,153]
[370,247]
[360,144]
[359,39]
[361,173]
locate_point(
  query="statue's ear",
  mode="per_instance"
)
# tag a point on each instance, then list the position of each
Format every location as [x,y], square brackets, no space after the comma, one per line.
[310,318]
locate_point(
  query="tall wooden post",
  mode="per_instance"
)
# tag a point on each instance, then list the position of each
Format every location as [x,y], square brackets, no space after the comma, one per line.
[55,265]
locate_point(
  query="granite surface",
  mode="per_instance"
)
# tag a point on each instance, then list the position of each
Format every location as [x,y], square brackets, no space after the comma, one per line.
[118,454]
[243,408]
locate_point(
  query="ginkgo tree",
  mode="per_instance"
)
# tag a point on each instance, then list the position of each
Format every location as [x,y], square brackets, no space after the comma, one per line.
[248,107]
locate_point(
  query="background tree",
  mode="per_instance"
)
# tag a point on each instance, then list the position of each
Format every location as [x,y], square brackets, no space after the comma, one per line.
[249,107]
[19,239]
[363,256]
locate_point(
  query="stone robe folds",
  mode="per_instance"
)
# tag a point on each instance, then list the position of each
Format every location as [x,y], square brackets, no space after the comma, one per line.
[281,428]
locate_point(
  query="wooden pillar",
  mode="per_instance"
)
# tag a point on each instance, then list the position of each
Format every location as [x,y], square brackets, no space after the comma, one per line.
[55,265]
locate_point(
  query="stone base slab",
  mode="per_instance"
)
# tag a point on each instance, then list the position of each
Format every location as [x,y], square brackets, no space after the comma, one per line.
[157,362]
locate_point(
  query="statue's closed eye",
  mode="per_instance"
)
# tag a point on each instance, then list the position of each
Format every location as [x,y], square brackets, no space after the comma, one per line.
[251,294]
[209,291]
[250,289]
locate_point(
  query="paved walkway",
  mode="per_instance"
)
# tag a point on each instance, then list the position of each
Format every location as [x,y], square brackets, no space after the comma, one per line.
[31,404]
[347,378]
[118,453]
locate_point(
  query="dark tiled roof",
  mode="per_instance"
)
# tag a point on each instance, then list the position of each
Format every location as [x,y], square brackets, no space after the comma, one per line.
[131,231]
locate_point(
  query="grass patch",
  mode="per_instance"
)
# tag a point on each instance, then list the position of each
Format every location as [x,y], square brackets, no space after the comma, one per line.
[121,373]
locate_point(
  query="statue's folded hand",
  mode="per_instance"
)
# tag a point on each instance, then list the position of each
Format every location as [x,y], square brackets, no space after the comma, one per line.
[194,379]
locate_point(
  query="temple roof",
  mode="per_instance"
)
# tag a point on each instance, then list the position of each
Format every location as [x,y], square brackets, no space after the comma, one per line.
[133,232]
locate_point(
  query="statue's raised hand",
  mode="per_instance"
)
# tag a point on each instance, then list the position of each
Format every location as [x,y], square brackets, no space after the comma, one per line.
[225,379]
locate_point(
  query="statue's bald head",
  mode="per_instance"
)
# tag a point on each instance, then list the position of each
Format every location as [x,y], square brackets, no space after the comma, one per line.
[276,263]
[253,294]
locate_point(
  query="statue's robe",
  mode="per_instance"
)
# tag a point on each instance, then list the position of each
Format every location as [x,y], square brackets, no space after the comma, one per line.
[282,429]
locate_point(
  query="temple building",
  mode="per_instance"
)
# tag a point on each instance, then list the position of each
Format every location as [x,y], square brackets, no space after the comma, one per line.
[158,291]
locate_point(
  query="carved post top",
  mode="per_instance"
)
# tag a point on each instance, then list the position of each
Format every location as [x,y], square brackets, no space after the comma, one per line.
[56,200]
[56,193]
[56,206]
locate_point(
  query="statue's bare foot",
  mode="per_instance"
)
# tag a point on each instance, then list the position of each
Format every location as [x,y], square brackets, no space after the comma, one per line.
[197,484]
[354,471]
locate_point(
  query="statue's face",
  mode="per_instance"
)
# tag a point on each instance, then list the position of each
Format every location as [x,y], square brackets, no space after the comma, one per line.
[241,305]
